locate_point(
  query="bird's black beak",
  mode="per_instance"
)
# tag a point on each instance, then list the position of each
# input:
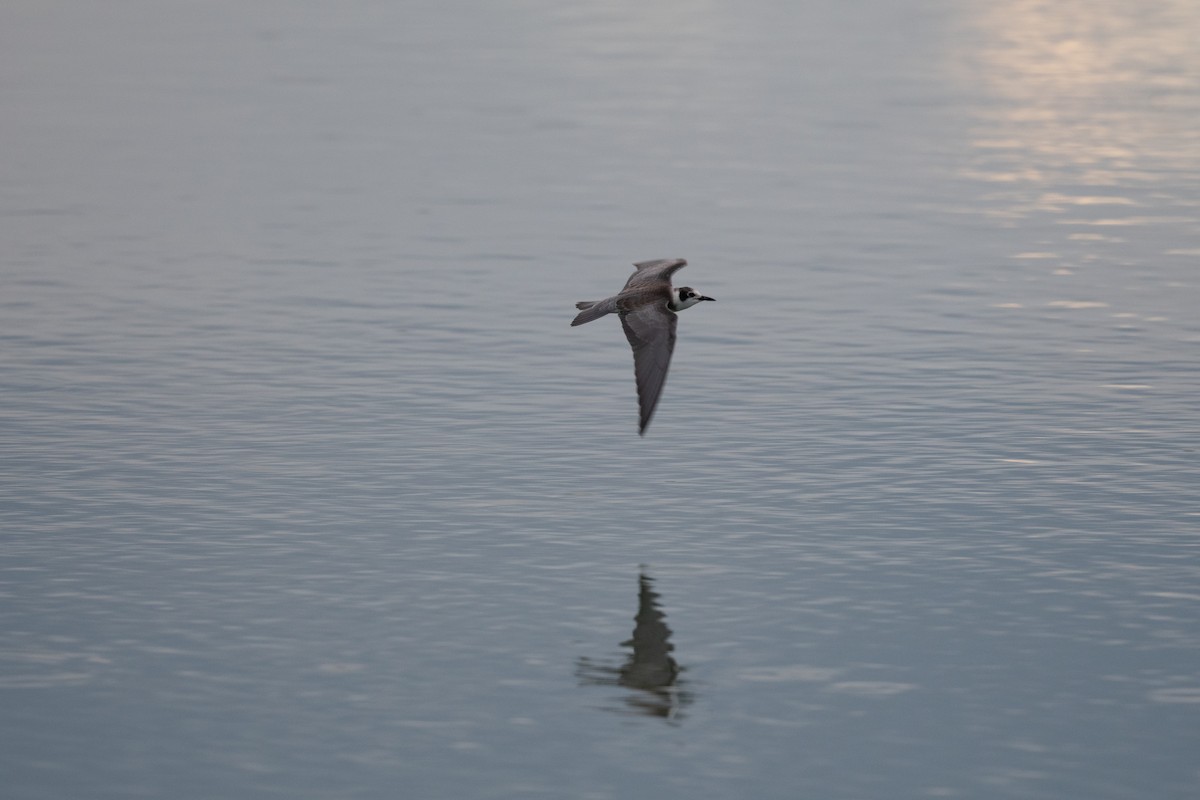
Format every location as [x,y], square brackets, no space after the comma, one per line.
[702,297]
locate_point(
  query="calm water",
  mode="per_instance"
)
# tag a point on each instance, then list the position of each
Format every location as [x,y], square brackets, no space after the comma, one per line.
[309,491]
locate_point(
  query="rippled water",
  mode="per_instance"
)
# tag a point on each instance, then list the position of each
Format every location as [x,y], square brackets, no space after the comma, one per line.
[309,490]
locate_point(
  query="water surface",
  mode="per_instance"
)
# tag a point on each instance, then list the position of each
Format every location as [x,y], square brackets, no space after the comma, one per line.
[309,490]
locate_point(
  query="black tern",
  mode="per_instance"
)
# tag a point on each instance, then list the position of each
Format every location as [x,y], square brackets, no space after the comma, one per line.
[647,307]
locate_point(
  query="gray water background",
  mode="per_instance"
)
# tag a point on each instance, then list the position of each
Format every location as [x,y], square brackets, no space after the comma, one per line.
[308,490]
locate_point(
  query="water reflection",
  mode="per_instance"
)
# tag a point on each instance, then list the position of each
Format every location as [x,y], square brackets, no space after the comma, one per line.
[1087,101]
[649,669]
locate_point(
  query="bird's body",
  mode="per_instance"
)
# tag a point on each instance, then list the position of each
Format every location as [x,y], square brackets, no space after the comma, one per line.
[647,307]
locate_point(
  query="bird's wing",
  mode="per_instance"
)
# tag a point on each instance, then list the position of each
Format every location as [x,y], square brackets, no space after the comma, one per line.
[649,272]
[650,330]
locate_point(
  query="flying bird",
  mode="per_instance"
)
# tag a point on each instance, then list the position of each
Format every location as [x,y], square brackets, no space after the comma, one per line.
[647,307]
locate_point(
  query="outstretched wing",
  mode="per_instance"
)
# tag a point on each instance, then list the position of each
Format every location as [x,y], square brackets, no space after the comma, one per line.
[649,272]
[650,330]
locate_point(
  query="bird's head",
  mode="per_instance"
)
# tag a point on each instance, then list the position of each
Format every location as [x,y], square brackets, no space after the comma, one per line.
[685,297]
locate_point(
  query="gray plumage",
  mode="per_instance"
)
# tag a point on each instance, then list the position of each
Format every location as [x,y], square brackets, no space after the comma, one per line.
[647,307]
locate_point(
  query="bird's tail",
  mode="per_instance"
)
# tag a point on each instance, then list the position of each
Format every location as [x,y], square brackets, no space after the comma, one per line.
[590,310]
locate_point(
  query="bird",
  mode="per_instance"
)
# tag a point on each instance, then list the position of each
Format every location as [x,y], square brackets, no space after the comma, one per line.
[647,307]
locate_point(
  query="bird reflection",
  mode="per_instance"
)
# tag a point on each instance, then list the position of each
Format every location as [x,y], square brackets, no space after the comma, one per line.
[649,670]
